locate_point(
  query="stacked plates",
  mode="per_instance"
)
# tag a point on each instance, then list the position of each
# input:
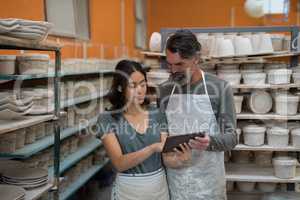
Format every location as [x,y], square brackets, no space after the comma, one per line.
[25,177]
[11,192]
[25,29]
[13,108]
[5,164]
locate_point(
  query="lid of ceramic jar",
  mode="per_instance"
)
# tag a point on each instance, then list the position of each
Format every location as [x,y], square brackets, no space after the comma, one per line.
[284,160]
[255,74]
[7,57]
[255,128]
[33,57]
[278,130]
[280,71]
[295,131]
[288,97]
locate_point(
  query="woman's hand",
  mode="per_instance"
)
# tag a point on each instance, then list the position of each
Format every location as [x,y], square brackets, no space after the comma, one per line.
[157,147]
[184,155]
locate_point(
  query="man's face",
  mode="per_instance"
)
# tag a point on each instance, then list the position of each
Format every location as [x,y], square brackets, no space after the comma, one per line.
[181,68]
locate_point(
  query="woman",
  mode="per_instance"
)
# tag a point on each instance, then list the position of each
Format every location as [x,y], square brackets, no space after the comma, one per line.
[133,135]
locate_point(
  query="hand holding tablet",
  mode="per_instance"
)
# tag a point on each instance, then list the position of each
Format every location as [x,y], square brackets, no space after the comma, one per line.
[174,141]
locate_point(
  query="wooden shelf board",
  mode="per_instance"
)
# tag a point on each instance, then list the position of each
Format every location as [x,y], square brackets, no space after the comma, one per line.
[254,173]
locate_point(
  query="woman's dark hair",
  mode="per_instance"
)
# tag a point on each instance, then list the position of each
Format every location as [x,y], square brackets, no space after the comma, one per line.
[184,42]
[116,96]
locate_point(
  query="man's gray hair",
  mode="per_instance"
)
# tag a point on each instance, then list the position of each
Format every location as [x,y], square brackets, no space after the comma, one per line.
[185,43]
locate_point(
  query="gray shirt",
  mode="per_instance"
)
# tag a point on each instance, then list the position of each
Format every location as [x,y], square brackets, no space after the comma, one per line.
[131,141]
[221,97]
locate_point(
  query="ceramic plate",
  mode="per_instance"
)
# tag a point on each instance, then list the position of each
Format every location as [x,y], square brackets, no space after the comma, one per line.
[25,173]
[261,102]
[11,192]
[15,108]
[40,110]
[9,115]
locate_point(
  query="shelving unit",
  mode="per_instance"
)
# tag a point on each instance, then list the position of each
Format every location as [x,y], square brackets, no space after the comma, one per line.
[267,86]
[267,116]
[253,173]
[46,142]
[52,140]
[81,181]
[240,172]
[242,147]
[37,193]
[78,155]
[79,100]
[7,126]
[19,44]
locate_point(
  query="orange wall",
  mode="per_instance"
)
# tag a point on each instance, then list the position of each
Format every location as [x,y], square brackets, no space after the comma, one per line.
[105,20]
[206,13]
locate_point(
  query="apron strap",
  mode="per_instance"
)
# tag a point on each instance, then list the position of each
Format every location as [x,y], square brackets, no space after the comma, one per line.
[204,82]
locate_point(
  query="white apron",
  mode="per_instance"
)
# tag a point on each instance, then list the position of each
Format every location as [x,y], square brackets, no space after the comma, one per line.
[204,178]
[147,186]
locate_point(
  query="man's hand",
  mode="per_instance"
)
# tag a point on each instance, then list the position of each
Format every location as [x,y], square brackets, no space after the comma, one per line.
[200,143]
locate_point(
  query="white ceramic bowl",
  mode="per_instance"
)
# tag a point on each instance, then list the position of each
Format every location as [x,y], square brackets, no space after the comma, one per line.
[238,101]
[286,104]
[278,137]
[285,167]
[232,78]
[295,133]
[296,78]
[33,64]
[254,78]
[242,46]
[225,48]
[279,76]
[254,135]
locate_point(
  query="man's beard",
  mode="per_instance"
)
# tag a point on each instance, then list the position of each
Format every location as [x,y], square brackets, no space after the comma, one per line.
[181,78]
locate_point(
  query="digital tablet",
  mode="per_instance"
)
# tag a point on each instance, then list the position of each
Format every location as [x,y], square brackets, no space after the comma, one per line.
[174,141]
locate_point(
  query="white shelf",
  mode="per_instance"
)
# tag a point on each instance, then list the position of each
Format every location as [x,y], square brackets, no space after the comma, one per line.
[242,147]
[266,86]
[27,121]
[256,195]
[269,116]
[254,173]
[150,53]
[38,192]
[16,43]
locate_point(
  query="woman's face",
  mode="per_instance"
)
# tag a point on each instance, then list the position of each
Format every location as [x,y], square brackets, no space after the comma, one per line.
[136,89]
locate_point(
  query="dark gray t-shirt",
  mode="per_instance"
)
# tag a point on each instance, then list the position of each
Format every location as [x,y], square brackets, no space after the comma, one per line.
[131,141]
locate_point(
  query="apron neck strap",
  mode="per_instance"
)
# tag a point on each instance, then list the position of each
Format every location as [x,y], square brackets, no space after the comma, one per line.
[204,82]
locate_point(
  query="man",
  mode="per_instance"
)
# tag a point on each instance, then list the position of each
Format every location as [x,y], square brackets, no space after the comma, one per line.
[195,101]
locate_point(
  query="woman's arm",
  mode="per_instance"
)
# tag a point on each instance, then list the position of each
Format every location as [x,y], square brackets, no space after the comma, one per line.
[123,162]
